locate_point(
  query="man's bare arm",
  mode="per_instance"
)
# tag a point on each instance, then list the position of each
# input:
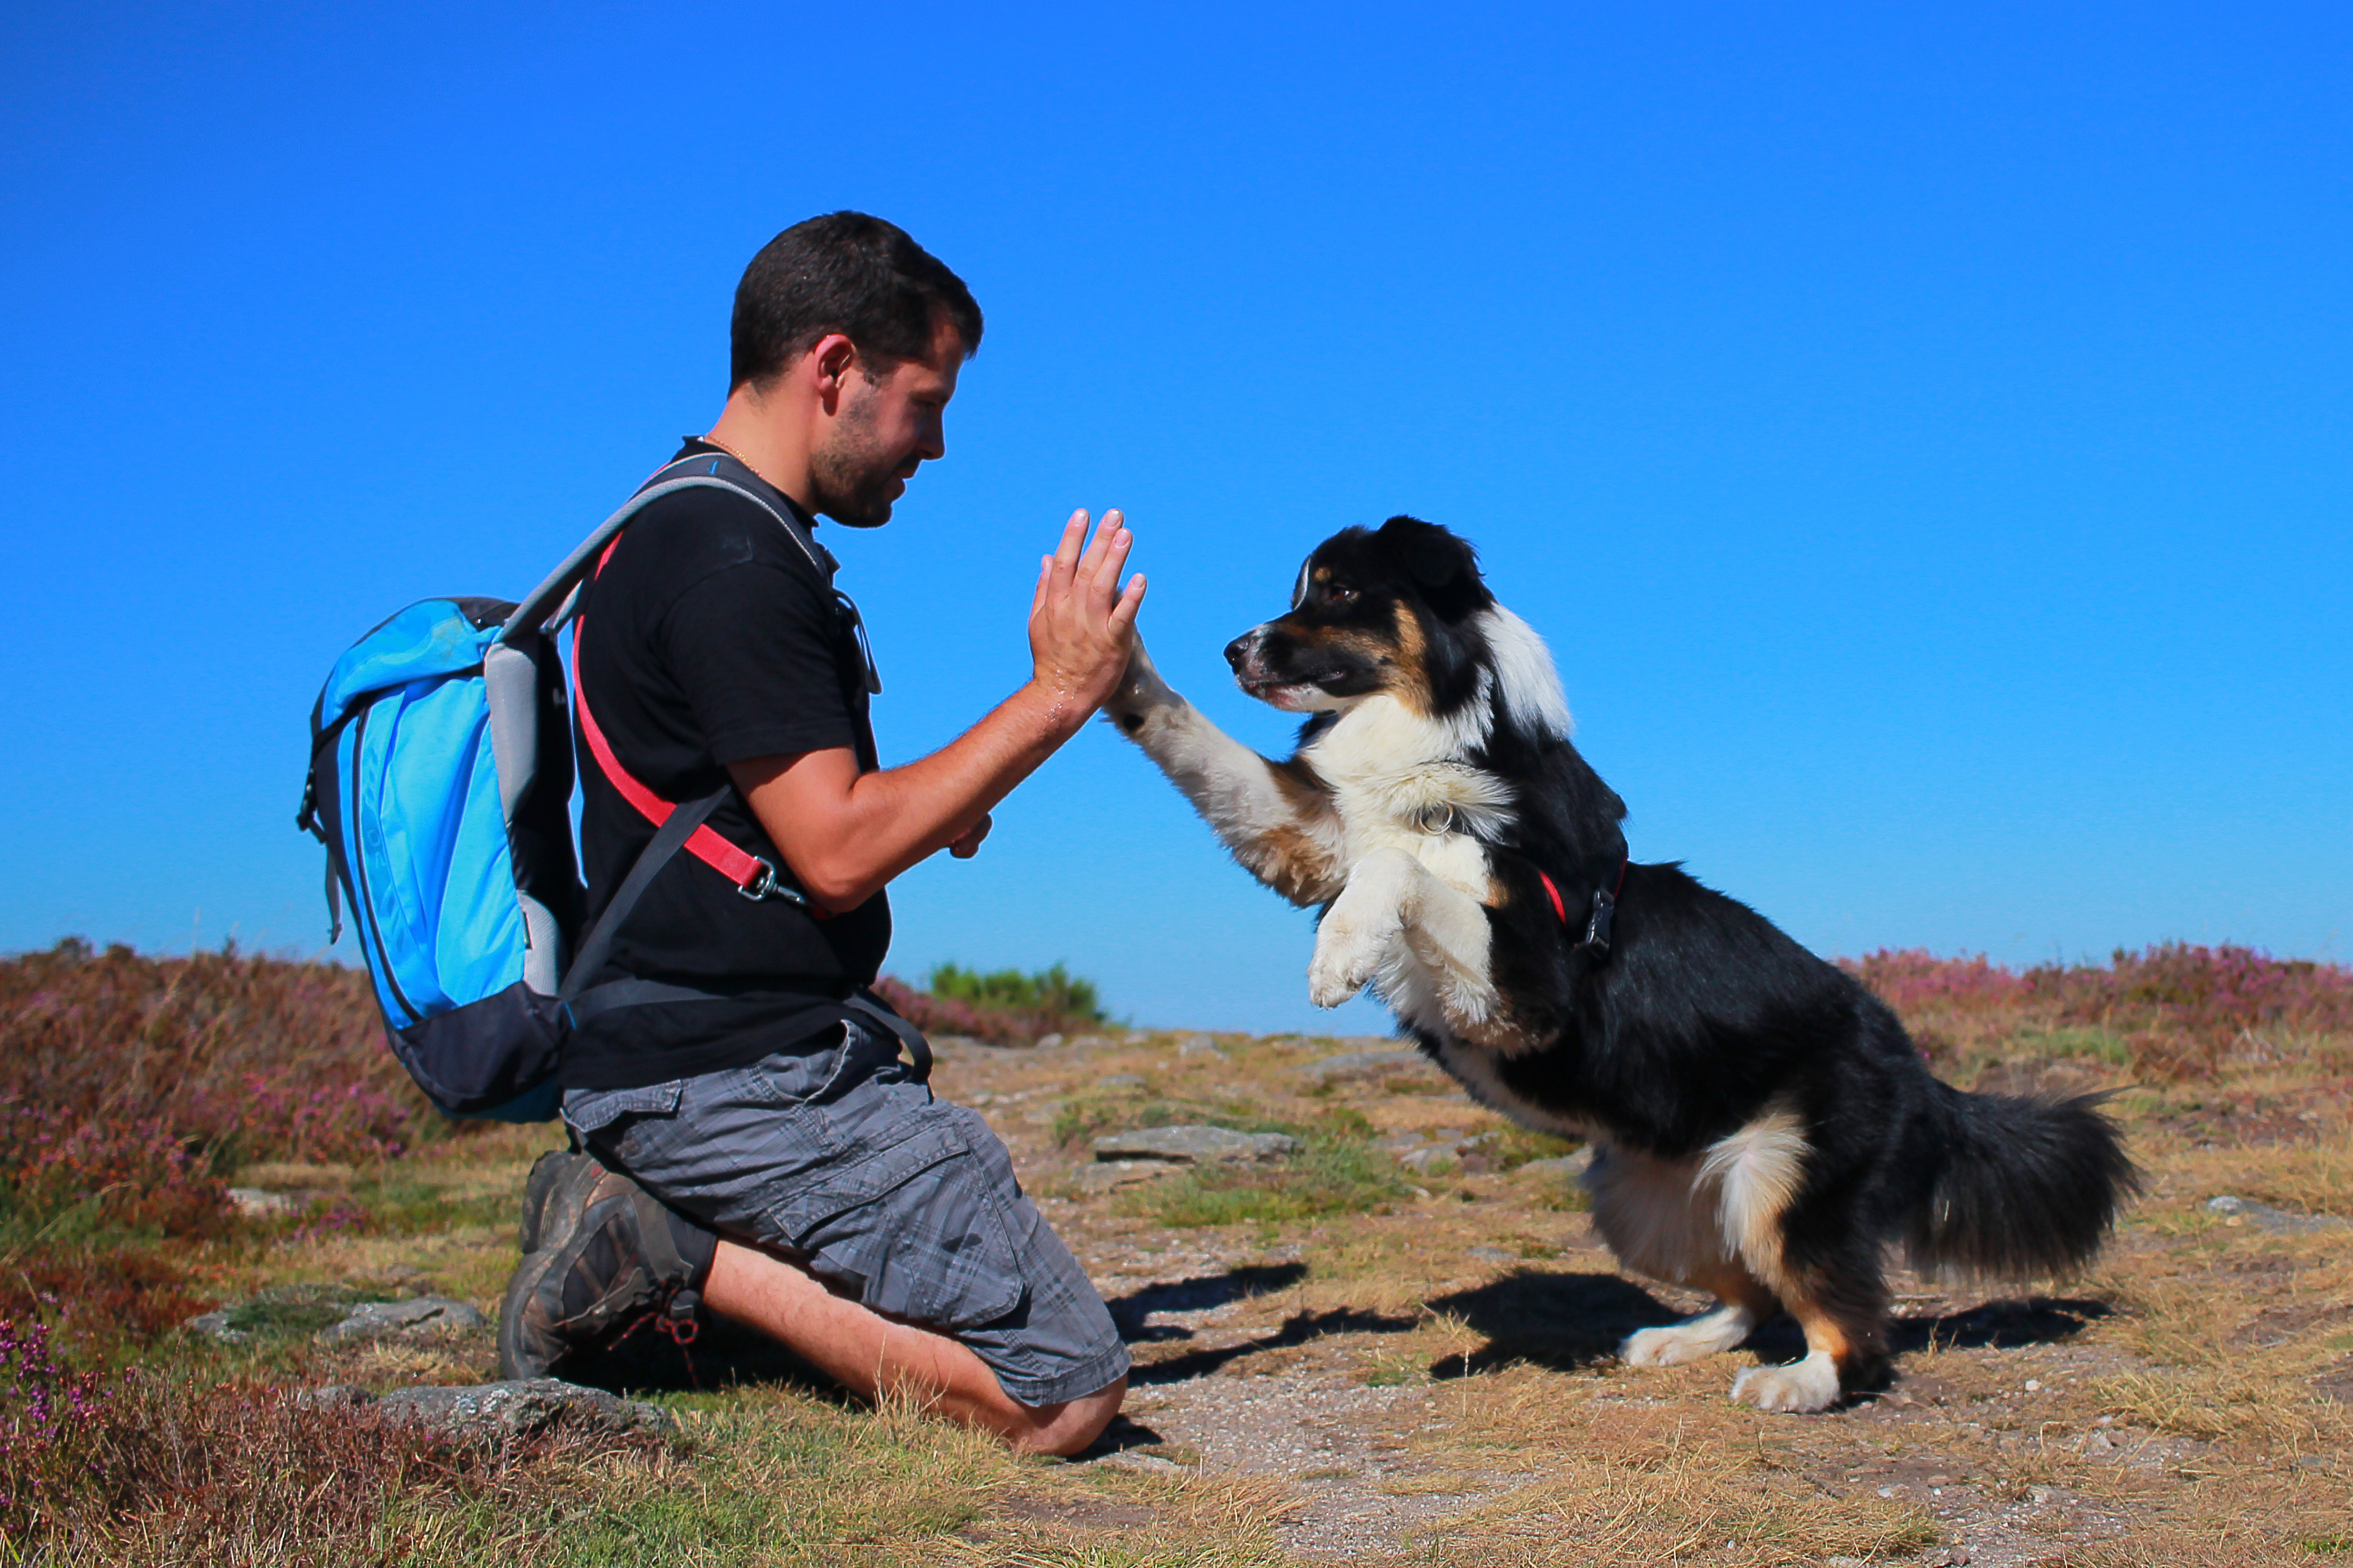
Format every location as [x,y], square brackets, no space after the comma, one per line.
[847,834]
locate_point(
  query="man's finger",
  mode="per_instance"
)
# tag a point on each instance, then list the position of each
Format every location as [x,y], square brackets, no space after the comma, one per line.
[1075,537]
[1117,540]
[1045,575]
[1123,615]
[1090,563]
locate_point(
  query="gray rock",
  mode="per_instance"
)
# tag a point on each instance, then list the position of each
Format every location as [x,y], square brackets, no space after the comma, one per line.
[216,1325]
[520,1408]
[1430,1157]
[335,1396]
[1049,1042]
[1121,1080]
[1565,1167]
[1140,1465]
[2266,1217]
[1091,1042]
[1195,1145]
[1198,1044]
[417,1319]
[255,1202]
[1110,1175]
[1360,1066]
[1493,1255]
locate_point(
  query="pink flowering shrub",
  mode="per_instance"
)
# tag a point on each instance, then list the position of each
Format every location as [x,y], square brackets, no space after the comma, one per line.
[48,1417]
[132,1081]
[2180,1009]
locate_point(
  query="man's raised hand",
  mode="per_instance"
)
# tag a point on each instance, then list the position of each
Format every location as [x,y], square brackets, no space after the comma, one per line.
[1082,623]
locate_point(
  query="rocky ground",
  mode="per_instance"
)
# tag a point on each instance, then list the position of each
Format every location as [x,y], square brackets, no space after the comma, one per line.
[1349,1289]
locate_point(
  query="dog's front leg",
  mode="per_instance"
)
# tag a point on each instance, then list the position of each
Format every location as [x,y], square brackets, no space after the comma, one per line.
[1276,821]
[1420,941]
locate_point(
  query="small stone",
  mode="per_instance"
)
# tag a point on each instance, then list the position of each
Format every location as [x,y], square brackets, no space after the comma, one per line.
[1050,1042]
[1088,1042]
[2099,1443]
[413,1319]
[1357,1066]
[1195,1145]
[1198,1044]
[1111,1175]
[1121,1080]
[216,1325]
[2033,1385]
[1567,1167]
[1846,1562]
[1140,1465]
[2263,1216]
[1429,1158]
[335,1396]
[528,1405]
[256,1203]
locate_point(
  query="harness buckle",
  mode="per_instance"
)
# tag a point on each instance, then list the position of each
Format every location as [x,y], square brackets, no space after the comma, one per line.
[764,885]
[1596,923]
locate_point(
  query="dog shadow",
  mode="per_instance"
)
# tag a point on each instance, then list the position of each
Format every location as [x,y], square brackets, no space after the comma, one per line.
[1567,1321]
[1564,1321]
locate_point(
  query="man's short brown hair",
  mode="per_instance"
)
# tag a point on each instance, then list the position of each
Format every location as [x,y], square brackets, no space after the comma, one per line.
[850,273]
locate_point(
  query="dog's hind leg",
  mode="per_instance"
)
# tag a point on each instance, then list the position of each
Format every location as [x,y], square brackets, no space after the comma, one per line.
[1741,1303]
[1740,1306]
[1838,1296]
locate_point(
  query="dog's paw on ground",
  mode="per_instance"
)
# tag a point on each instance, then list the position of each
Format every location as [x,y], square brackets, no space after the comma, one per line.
[1797,1389]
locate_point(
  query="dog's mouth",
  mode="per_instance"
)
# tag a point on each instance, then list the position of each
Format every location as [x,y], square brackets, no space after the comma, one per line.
[1292,696]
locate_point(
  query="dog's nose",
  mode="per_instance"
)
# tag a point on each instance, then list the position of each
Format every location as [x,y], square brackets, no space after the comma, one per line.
[1239,649]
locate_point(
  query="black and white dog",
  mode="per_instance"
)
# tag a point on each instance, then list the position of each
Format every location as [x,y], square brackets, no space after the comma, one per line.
[1764,1129]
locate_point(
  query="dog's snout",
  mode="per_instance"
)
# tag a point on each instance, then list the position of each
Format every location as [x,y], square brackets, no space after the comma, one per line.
[1239,649]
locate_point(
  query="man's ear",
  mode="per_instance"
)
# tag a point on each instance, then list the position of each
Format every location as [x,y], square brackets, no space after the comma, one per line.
[829,360]
[1434,556]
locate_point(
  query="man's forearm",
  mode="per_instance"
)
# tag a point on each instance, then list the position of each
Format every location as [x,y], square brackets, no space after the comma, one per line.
[847,834]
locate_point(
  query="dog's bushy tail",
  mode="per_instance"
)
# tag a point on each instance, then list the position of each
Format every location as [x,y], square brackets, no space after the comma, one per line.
[2029,1186]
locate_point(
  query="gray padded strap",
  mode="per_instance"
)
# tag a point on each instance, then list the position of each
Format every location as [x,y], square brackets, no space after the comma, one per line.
[708,470]
[668,839]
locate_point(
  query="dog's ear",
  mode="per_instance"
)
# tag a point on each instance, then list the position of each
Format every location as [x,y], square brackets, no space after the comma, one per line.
[1441,562]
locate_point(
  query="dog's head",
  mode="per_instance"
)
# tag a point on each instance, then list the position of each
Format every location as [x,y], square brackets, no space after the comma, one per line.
[1395,610]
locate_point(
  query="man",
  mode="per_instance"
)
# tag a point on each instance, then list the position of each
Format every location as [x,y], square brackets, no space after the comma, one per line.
[742,1141]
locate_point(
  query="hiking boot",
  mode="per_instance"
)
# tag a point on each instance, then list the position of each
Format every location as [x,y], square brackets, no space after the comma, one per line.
[609,1255]
[545,1173]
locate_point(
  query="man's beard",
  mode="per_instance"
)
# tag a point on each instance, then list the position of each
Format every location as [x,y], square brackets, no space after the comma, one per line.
[853,486]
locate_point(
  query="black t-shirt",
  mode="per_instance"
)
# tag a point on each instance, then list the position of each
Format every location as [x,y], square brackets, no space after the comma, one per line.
[708,637]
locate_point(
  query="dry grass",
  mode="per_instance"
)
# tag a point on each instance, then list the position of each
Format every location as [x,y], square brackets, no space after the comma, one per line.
[2190,1402]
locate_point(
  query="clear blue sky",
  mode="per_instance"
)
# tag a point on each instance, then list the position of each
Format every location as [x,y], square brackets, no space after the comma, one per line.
[1922,433]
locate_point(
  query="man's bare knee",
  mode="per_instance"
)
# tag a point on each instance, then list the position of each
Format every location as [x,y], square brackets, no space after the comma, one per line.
[1071,1427]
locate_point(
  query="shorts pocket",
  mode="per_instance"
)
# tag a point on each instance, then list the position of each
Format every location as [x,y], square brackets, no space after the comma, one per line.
[587,1110]
[916,1228]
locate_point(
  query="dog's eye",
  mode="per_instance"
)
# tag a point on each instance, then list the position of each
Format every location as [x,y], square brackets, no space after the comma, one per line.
[1340,594]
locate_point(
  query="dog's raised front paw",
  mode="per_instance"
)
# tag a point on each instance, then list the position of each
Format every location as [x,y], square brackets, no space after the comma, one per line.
[1332,979]
[1800,1388]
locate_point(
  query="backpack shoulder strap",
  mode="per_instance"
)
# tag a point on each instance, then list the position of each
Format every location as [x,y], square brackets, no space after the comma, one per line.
[547,606]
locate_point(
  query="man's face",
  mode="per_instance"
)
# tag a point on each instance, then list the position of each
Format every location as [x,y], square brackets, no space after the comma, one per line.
[882,430]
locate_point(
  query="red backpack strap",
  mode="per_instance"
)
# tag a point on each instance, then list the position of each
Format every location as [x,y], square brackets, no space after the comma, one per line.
[753,877]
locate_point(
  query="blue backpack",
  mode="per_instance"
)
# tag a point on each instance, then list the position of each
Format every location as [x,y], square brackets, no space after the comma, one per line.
[440,784]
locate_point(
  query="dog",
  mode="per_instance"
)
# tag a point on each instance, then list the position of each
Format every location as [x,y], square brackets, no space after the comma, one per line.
[1763,1128]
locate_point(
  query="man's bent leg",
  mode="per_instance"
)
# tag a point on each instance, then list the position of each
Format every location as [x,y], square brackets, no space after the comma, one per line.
[872,1355]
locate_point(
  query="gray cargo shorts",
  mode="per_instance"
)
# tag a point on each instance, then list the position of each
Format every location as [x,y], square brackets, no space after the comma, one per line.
[838,1158]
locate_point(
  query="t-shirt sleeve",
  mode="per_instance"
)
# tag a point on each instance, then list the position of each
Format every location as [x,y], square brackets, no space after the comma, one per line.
[752,646]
